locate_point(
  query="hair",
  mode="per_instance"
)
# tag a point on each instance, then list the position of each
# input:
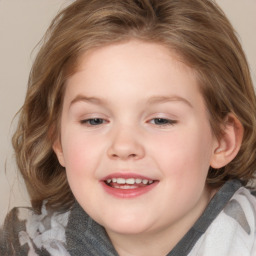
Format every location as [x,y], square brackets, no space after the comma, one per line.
[198,31]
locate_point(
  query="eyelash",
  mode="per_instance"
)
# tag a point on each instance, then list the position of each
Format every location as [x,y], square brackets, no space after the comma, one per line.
[93,121]
[155,121]
[163,121]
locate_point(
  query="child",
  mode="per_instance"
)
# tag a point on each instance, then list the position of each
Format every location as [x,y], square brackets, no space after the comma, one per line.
[137,135]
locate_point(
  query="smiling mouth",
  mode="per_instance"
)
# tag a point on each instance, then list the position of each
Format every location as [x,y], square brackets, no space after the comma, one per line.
[130,183]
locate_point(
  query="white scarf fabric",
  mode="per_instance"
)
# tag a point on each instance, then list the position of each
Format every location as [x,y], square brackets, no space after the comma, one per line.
[233,232]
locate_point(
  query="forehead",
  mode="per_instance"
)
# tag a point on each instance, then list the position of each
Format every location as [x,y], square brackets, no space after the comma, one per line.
[127,51]
[132,67]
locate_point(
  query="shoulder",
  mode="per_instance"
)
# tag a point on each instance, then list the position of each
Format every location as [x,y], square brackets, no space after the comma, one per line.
[233,231]
[26,232]
[9,232]
[243,202]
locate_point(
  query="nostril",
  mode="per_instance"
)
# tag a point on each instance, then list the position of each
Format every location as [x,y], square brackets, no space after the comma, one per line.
[124,156]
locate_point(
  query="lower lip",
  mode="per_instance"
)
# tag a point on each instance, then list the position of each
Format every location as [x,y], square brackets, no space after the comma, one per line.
[128,193]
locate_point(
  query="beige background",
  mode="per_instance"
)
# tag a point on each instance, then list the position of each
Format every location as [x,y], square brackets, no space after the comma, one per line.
[22,24]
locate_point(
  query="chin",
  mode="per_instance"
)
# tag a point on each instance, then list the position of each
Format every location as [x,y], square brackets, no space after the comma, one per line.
[125,227]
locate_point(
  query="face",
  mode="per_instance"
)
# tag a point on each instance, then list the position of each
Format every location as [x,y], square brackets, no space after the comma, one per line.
[136,140]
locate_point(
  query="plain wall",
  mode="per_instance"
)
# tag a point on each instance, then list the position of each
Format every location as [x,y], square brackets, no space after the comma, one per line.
[22,24]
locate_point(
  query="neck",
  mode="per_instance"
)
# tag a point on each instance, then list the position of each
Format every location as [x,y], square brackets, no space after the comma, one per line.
[140,245]
[156,242]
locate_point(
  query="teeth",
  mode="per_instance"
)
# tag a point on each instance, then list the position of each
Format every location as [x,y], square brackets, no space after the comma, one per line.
[125,187]
[138,181]
[120,181]
[145,182]
[130,181]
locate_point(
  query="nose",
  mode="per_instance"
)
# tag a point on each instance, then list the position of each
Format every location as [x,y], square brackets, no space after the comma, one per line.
[126,144]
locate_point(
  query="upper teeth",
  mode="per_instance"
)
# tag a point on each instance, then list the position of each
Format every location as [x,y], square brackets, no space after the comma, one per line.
[130,181]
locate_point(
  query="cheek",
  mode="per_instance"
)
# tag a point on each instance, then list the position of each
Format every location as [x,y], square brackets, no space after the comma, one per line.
[183,154]
[73,154]
[79,153]
[80,162]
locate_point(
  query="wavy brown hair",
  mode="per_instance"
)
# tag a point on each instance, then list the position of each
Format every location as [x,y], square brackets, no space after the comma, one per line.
[197,31]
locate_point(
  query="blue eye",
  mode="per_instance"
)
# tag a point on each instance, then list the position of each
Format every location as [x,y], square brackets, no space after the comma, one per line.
[93,121]
[162,121]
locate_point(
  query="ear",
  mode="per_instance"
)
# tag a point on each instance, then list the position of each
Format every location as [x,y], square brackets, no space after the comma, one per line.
[229,144]
[57,148]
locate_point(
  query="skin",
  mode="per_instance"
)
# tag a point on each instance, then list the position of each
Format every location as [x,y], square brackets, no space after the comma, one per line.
[134,108]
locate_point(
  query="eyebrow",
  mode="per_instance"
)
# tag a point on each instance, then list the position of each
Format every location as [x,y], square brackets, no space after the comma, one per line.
[151,100]
[163,99]
[83,98]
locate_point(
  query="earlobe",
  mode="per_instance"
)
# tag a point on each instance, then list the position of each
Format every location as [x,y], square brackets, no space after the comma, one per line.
[57,148]
[229,144]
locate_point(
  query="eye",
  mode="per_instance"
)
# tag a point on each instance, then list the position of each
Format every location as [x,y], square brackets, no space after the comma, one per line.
[93,121]
[162,121]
